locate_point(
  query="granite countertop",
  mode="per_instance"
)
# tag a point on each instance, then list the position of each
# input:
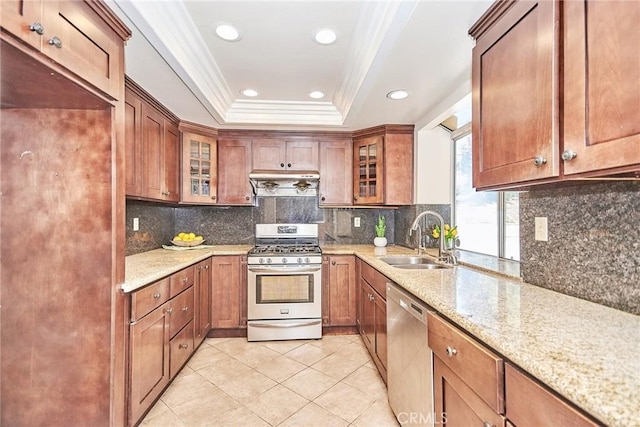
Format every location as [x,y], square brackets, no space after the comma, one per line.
[586,352]
[147,267]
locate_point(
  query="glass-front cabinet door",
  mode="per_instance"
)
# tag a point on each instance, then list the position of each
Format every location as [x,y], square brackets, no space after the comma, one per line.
[199,174]
[367,187]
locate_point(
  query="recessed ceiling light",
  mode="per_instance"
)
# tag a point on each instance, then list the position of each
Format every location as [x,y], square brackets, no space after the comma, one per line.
[397,94]
[325,36]
[316,94]
[227,32]
[249,92]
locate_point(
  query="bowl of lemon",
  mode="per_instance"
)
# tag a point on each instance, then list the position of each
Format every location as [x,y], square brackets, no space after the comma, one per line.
[187,239]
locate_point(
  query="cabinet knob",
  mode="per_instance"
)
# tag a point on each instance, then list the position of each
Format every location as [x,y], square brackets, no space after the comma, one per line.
[169,310]
[247,198]
[206,267]
[370,297]
[213,197]
[281,165]
[323,198]
[37,28]
[184,280]
[156,296]
[55,41]
[539,160]
[185,309]
[288,165]
[451,351]
[333,263]
[183,346]
[569,155]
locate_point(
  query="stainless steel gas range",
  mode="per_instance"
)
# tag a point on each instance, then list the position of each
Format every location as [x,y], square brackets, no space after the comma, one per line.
[284,283]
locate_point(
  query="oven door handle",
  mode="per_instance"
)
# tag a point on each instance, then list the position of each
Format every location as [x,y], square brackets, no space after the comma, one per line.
[285,325]
[285,269]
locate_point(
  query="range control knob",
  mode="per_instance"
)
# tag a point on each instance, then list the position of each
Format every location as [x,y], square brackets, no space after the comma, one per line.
[306,260]
[284,260]
[261,261]
[299,260]
[268,260]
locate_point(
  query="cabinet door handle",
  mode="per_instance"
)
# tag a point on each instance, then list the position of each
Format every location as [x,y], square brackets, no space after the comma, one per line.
[333,263]
[169,310]
[156,296]
[451,351]
[539,161]
[37,28]
[281,165]
[569,155]
[55,41]
[213,197]
[323,198]
[185,309]
[247,198]
[184,280]
[206,267]
[288,165]
[183,346]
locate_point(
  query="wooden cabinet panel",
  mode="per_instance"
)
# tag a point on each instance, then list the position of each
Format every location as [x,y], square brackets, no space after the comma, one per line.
[149,298]
[182,311]
[367,319]
[302,155]
[133,144]
[181,348]
[152,152]
[277,154]
[199,168]
[529,404]
[515,107]
[478,367]
[182,280]
[456,403]
[372,312]
[336,173]
[380,319]
[601,85]
[367,171]
[234,166]
[340,290]
[202,291]
[171,162]
[148,360]
[17,18]
[226,292]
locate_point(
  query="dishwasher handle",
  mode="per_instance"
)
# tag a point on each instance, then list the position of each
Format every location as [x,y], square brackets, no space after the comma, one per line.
[408,303]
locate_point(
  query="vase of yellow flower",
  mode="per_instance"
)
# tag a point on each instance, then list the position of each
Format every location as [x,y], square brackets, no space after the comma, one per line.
[450,235]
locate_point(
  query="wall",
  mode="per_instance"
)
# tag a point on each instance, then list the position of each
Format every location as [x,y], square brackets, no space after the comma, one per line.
[593,250]
[433,166]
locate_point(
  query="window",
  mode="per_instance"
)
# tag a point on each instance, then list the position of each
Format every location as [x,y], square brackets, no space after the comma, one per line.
[488,221]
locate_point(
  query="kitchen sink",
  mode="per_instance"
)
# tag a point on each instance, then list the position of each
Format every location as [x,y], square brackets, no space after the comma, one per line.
[414,263]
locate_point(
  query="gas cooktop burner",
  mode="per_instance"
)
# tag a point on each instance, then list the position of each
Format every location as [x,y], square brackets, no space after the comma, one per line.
[285,249]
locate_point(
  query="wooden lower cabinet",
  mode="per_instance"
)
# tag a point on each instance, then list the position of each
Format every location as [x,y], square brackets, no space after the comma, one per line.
[530,404]
[339,290]
[181,347]
[228,296]
[202,294]
[372,313]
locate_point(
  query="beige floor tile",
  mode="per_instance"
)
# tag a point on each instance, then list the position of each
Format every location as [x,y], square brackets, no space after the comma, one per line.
[233,346]
[256,356]
[185,388]
[379,414]
[205,409]
[333,342]
[368,380]
[355,351]
[224,370]
[310,383]
[277,404]
[240,417]
[345,401]
[313,415]
[283,347]
[165,419]
[247,386]
[308,354]
[204,357]
[281,368]
[336,366]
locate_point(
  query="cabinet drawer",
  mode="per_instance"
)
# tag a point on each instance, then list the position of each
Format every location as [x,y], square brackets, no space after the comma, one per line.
[530,404]
[149,298]
[375,279]
[182,280]
[181,311]
[181,349]
[479,368]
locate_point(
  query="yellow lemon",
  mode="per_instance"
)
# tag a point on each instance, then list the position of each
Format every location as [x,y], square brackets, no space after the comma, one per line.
[181,235]
[199,238]
[192,236]
[177,237]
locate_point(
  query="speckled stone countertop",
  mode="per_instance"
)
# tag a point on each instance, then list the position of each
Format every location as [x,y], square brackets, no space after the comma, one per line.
[147,267]
[587,352]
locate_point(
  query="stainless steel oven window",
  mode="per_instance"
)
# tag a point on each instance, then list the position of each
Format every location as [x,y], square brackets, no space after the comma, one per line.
[278,289]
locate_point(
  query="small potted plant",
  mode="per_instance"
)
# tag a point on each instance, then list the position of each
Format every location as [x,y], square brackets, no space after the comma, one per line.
[381,229]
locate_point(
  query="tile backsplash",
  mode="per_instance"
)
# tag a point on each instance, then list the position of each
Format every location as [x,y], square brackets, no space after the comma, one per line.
[593,250]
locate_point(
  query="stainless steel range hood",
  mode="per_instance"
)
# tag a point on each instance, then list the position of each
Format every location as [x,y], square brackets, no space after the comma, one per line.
[268,183]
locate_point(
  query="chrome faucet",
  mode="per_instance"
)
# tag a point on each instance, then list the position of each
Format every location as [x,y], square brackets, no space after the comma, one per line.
[443,255]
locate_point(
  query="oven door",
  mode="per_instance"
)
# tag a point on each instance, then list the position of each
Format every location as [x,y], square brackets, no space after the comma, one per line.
[284,292]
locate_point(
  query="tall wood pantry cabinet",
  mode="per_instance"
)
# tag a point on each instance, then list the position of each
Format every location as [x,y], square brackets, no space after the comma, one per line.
[62,217]
[543,109]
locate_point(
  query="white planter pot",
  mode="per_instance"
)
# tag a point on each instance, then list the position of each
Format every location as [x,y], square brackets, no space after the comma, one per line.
[380,242]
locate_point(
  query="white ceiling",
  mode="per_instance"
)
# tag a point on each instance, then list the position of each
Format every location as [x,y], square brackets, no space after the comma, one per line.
[421,46]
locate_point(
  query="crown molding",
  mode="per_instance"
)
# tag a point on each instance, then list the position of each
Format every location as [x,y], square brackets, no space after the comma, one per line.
[284,112]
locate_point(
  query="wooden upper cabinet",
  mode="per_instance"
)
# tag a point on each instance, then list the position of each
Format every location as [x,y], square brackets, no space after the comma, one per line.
[74,34]
[336,173]
[199,168]
[383,165]
[278,154]
[515,106]
[152,144]
[601,86]
[234,166]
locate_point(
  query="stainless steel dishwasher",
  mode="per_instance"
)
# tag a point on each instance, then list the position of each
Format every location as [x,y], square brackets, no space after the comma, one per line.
[409,359]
